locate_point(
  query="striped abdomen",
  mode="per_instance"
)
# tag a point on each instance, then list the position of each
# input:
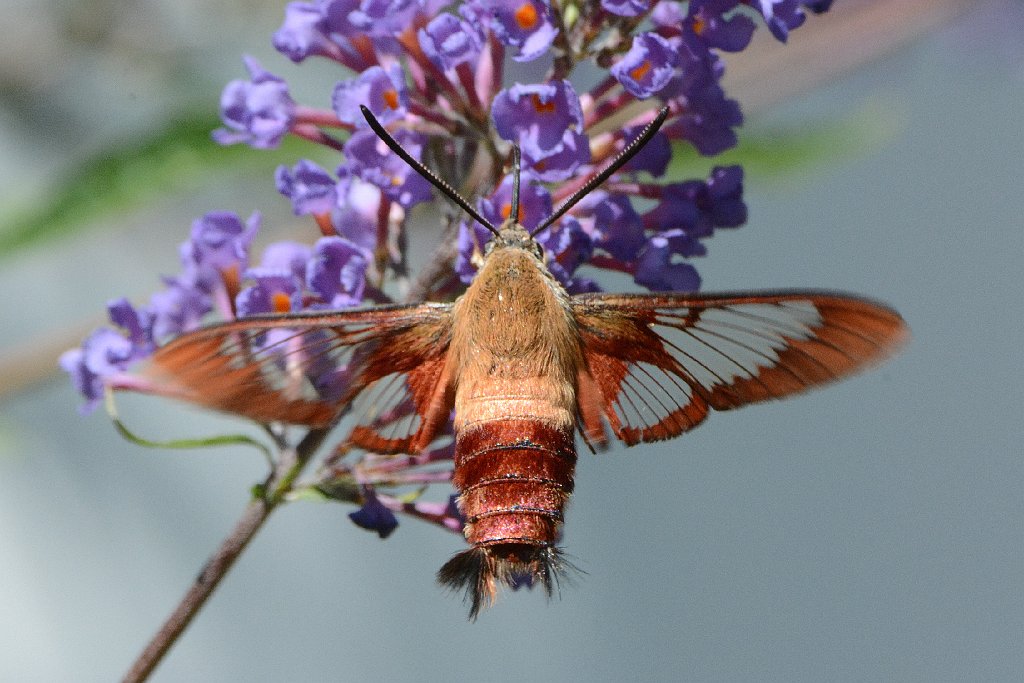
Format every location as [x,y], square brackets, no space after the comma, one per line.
[514,477]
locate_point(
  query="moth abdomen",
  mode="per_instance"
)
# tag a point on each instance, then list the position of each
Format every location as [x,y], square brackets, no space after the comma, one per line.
[514,478]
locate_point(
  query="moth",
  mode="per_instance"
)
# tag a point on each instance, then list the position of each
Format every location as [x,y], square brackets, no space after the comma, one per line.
[526,368]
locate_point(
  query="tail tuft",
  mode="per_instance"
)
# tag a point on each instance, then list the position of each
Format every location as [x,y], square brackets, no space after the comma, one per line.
[477,571]
[472,573]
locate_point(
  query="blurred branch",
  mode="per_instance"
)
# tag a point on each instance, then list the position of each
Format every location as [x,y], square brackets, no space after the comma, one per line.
[289,465]
[26,364]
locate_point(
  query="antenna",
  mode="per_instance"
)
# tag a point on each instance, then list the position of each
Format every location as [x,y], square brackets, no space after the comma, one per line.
[446,189]
[627,153]
[516,161]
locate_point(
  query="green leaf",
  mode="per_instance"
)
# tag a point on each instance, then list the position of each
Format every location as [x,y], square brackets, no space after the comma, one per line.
[413,496]
[343,488]
[204,442]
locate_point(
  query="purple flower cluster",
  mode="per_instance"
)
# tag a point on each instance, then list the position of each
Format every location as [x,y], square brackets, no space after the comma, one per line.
[434,73]
[108,352]
[440,75]
[216,276]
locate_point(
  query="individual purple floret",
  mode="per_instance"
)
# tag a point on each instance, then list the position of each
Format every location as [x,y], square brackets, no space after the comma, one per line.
[654,157]
[782,16]
[311,188]
[373,516]
[648,66]
[562,164]
[534,204]
[107,352]
[708,118]
[219,247]
[381,90]
[523,24]
[337,272]
[658,271]
[449,41]
[178,308]
[715,24]
[272,291]
[567,246]
[104,353]
[136,322]
[389,18]
[315,28]
[612,223]
[668,16]
[723,202]
[258,112]
[370,159]
[358,213]
[537,116]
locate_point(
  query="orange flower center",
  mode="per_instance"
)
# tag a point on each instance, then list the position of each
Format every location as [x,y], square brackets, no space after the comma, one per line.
[640,70]
[506,210]
[541,106]
[281,302]
[526,16]
[699,25]
[390,98]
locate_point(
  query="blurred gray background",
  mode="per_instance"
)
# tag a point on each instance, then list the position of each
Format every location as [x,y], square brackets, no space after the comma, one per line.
[868,531]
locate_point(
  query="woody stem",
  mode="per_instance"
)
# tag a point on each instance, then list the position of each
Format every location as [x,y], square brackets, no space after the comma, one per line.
[289,466]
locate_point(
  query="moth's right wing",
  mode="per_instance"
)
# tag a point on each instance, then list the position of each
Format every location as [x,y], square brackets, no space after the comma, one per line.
[656,363]
[308,368]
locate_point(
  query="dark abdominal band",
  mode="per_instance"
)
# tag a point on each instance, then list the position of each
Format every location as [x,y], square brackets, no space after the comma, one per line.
[514,478]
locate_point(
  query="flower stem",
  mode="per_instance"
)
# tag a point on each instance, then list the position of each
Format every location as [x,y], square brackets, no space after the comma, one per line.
[290,465]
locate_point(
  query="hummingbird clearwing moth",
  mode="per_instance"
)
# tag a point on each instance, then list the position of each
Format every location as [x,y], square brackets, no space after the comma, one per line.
[525,367]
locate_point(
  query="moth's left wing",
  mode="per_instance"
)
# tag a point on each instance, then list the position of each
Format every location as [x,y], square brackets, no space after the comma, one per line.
[388,363]
[656,363]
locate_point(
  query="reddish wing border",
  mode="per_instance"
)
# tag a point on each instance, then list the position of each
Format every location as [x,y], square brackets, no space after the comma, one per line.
[657,363]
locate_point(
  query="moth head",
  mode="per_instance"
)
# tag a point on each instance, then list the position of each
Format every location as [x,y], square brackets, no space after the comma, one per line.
[512,235]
